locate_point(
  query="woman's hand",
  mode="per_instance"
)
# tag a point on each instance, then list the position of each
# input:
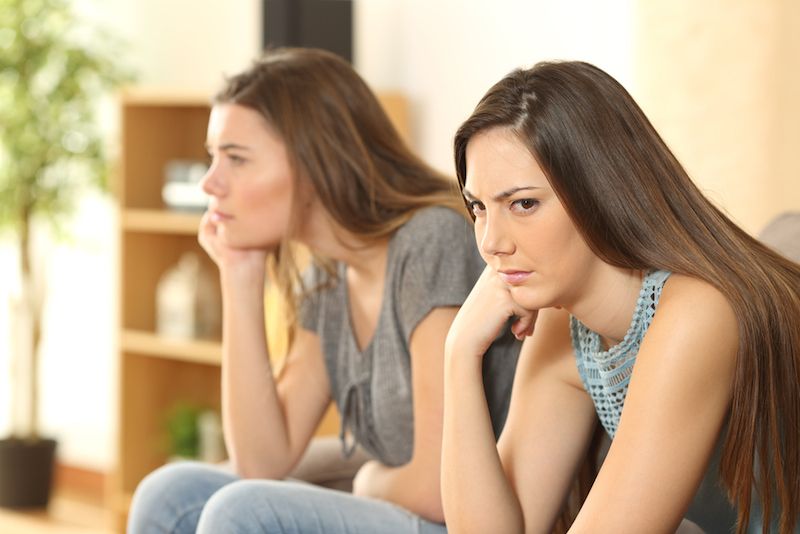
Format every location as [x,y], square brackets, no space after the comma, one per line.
[476,494]
[222,253]
[484,314]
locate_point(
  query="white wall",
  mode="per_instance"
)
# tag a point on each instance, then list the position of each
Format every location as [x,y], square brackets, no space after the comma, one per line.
[445,54]
[183,44]
[78,373]
[77,364]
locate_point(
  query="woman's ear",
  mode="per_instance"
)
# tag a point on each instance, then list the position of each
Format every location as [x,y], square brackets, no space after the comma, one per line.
[306,207]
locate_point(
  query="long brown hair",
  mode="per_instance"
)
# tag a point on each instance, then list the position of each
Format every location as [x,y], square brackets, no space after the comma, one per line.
[340,140]
[637,208]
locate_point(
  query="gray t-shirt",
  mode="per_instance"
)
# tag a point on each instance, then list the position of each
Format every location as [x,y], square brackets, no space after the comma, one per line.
[432,262]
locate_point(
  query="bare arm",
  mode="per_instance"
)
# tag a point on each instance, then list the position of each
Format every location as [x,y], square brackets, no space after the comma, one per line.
[678,397]
[267,423]
[415,485]
[550,419]
[520,484]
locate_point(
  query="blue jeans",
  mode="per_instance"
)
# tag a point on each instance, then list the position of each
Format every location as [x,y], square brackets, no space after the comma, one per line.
[191,497]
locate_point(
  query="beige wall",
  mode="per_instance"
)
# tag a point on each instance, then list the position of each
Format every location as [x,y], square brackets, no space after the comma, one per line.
[719,79]
[786,191]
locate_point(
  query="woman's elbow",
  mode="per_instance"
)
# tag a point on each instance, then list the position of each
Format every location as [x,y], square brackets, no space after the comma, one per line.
[259,469]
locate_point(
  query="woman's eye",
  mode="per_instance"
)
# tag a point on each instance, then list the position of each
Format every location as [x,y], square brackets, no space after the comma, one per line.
[476,207]
[524,205]
[235,160]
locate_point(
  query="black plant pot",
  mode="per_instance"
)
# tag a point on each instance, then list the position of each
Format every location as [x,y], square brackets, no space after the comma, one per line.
[26,472]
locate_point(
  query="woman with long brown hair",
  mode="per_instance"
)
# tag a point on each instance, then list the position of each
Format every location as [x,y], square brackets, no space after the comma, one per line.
[641,305]
[302,152]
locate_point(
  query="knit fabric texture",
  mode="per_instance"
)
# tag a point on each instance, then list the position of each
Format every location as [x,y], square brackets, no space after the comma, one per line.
[432,262]
[606,373]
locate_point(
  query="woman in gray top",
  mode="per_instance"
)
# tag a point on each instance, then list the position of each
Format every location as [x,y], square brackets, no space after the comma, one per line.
[639,301]
[302,152]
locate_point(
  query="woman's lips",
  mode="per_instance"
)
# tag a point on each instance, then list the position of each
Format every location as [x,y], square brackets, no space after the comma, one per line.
[220,217]
[514,278]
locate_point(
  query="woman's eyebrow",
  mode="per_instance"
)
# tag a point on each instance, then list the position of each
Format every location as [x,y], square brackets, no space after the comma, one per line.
[227,146]
[235,146]
[503,194]
[508,192]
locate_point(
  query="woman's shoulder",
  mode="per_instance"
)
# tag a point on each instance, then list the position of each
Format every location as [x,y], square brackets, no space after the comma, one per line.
[694,313]
[436,219]
[435,228]
[434,256]
[688,295]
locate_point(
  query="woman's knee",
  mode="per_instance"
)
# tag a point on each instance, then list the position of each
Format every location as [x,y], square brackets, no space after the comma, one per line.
[174,494]
[284,507]
[244,506]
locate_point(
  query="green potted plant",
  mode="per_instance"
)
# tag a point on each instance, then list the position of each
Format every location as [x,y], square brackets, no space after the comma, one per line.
[53,73]
[194,432]
[183,432]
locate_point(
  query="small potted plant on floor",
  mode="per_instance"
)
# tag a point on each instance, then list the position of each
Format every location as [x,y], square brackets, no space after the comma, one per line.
[52,75]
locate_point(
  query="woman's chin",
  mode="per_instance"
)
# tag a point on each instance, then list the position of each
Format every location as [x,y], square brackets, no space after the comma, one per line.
[526,298]
[240,241]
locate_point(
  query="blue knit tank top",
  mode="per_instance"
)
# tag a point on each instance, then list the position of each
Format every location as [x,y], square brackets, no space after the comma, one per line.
[606,373]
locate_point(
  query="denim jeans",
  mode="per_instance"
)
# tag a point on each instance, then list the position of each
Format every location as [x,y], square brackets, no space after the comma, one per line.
[191,497]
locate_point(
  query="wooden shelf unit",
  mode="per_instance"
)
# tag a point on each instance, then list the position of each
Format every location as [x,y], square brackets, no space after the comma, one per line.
[160,221]
[150,344]
[156,373]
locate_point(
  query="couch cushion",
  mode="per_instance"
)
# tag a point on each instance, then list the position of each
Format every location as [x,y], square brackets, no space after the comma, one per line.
[783,234]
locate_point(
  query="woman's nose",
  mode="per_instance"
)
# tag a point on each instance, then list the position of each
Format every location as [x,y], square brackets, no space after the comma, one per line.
[495,240]
[213,183]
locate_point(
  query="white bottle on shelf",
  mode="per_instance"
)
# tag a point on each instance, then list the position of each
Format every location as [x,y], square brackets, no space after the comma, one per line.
[211,447]
[175,299]
[187,301]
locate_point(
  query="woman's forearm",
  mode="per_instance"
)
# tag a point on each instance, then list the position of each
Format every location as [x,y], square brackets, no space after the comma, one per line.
[253,417]
[477,496]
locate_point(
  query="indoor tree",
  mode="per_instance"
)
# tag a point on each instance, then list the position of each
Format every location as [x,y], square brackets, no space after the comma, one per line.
[54,71]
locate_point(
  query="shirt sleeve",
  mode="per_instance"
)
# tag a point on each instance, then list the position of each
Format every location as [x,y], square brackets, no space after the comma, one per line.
[439,264]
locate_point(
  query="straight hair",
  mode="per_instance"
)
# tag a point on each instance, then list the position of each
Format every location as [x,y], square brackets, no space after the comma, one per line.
[339,141]
[636,208]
